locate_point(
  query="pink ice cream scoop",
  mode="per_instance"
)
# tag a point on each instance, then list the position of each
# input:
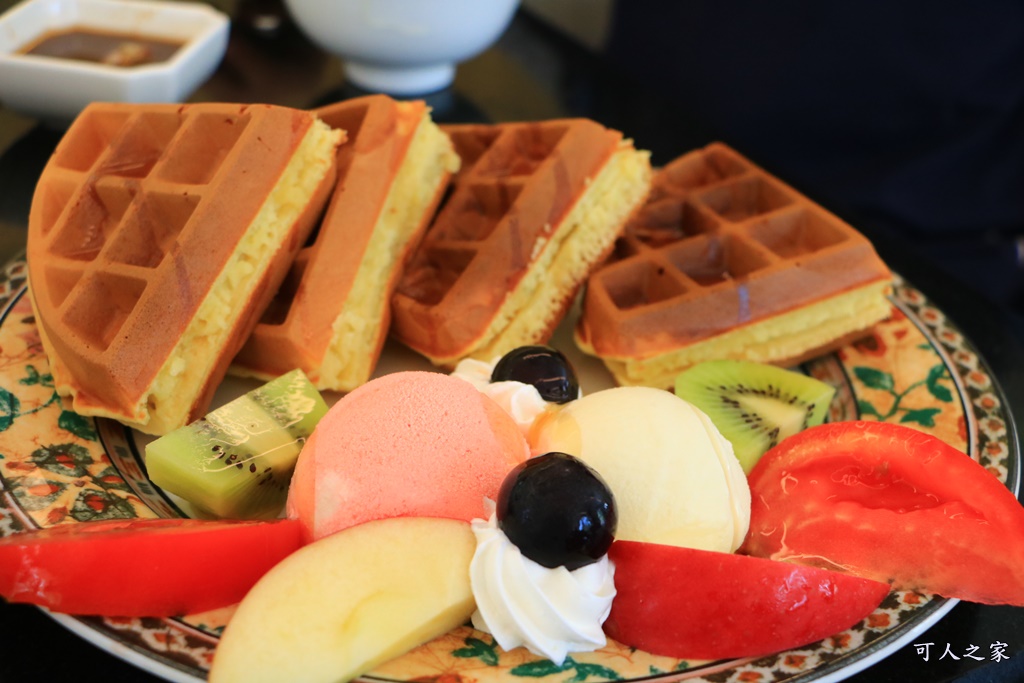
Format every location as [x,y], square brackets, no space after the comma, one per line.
[405,444]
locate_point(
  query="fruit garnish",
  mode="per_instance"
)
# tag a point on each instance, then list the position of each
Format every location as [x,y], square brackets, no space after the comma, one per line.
[699,604]
[545,368]
[142,567]
[346,603]
[236,462]
[557,511]
[754,405]
[888,502]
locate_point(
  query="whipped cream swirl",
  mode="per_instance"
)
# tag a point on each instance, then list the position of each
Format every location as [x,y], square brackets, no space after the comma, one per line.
[551,612]
[521,401]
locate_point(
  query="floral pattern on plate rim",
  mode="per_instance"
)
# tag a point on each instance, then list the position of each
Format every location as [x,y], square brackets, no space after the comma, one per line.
[57,467]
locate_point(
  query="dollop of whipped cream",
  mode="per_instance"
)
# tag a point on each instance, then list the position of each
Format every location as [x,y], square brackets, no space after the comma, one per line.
[551,612]
[521,401]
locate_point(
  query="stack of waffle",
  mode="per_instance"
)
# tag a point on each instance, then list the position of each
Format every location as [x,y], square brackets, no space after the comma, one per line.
[160,234]
[331,316]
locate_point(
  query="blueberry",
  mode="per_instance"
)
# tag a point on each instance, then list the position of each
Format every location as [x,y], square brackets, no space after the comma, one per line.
[542,366]
[557,511]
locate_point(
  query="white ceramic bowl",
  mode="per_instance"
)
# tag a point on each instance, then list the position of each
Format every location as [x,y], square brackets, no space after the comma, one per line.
[402,47]
[57,89]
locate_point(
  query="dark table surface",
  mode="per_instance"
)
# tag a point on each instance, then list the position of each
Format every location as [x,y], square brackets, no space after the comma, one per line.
[533,72]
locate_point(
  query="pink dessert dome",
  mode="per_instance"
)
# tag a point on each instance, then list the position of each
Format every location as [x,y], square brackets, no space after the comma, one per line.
[405,444]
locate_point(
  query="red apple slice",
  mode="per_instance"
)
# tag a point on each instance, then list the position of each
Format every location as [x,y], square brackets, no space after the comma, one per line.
[142,567]
[699,604]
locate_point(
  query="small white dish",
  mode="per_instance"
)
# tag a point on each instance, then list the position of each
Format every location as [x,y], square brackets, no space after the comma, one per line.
[402,47]
[56,88]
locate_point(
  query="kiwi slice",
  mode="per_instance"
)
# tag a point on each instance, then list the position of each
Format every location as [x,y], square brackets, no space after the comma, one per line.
[754,406]
[237,462]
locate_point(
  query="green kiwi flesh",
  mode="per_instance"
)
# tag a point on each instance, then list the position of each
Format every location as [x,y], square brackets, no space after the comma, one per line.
[754,406]
[237,461]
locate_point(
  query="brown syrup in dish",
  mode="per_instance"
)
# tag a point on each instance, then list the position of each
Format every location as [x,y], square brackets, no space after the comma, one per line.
[114,49]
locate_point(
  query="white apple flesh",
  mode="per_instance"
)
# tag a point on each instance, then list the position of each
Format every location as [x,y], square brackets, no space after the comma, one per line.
[349,602]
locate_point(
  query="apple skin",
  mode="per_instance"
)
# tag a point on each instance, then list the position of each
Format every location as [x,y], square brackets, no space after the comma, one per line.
[165,566]
[698,604]
[346,603]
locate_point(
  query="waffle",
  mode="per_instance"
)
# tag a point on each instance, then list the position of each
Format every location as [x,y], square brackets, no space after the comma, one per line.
[157,236]
[332,313]
[534,208]
[726,261]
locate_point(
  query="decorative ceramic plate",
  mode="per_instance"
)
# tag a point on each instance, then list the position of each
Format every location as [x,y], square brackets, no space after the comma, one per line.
[57,468]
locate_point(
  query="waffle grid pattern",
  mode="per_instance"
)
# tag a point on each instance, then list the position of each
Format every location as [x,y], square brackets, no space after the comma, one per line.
[497,164]
[516,184]
[720,243]
[115,204]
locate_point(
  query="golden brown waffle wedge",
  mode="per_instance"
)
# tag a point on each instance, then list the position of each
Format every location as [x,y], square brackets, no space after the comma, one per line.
[726,261]
[534,208]
[157,236]
[331,316]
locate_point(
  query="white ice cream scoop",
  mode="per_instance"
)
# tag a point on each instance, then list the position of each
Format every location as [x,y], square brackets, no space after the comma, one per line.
[674,476]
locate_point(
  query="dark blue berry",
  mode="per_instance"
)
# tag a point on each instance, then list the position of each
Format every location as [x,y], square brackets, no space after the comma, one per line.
[542,366]
[557,511]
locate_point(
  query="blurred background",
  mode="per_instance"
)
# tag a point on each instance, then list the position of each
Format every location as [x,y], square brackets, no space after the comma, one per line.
[907,119]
